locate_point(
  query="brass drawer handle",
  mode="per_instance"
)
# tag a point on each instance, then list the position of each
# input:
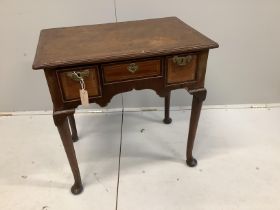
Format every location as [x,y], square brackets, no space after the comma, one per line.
[132,68]
[78,75]
[182,60]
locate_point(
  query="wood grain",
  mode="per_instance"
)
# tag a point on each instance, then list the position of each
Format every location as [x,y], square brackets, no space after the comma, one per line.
[179,74]
[82,45]
[120,72]
[71,88]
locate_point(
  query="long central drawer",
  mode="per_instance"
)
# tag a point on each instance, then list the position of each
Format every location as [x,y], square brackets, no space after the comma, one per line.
[131,70]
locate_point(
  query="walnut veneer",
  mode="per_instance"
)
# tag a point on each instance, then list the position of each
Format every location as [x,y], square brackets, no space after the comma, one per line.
[160,54]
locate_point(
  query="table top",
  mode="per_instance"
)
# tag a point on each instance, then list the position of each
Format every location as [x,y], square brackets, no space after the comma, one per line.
[81,45]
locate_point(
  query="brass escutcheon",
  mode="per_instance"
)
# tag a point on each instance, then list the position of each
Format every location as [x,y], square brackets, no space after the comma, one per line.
[132,67]
[78,75]
[182,60]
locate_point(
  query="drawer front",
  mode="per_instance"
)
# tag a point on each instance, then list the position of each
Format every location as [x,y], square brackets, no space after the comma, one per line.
[181,69]
[131,70]
[71,87]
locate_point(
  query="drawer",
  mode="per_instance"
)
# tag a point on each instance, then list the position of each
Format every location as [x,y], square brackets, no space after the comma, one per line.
[131,70]
[70,87]
[181,68]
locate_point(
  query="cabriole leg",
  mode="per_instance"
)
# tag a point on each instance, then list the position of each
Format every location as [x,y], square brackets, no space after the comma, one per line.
[60,120]
[199,96]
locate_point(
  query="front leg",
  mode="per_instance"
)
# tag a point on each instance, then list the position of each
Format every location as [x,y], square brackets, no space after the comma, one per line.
[61,122]
[199,96]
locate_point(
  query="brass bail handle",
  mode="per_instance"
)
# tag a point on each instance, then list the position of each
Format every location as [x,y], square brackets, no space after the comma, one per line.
[182,60]
[132,68]
[78,75]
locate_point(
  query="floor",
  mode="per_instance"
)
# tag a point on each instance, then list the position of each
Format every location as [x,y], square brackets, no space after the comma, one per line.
[237,152]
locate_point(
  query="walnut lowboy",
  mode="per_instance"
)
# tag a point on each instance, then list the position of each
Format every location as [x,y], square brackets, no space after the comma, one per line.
[112,58]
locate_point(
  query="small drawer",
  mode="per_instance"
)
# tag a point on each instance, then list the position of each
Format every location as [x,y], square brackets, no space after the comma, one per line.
[181,68]
[131,70]
[70,86]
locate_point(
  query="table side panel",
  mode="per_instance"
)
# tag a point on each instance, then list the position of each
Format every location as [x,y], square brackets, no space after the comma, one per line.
[54,89]
[201,68]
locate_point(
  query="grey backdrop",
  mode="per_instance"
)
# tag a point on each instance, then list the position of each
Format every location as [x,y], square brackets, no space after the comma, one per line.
[244,69]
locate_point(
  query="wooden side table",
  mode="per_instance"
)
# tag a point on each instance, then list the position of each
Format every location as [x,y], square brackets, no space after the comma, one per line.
[107,59]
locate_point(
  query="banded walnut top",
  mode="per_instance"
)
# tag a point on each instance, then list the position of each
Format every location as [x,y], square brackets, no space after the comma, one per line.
[82,45]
